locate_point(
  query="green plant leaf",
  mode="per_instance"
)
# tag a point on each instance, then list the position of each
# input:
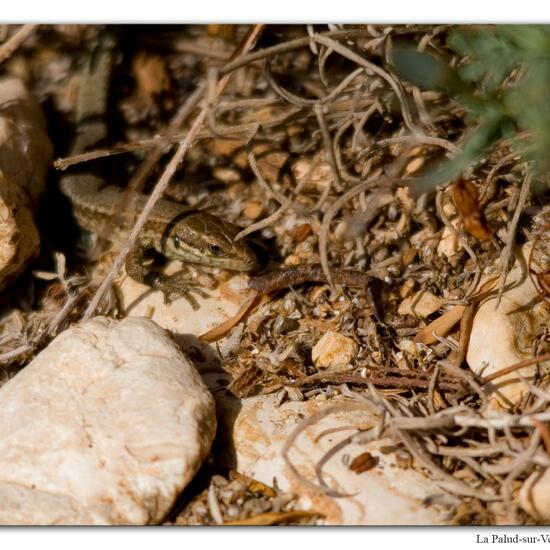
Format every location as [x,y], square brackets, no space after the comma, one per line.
[448,170]
[424,70]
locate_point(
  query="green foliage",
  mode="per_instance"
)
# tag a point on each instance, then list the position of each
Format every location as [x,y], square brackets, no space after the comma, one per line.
[503,81]
[425,71]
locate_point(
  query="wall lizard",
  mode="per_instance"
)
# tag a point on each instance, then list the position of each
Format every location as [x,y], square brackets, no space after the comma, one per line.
[174,231]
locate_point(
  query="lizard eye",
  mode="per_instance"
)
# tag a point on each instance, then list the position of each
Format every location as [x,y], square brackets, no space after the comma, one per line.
[214,249]
[177,241]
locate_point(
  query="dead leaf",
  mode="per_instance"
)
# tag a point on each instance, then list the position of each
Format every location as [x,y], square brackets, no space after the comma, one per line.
[225,147]
[253,485]
[440,326]
[225,31]
[443,325]
[363,462]
[253,210]
[223,328]
[421,304]
[151,76]
[465,197]
[301,232]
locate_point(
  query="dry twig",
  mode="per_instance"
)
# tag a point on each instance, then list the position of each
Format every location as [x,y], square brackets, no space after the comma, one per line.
[505,259]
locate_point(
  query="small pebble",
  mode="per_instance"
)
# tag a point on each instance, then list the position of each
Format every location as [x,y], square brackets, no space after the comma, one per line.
[219,481]
[226,175]
[333,351]
[253,210]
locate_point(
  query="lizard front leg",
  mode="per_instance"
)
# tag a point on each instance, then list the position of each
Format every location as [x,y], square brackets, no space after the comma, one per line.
[140,268]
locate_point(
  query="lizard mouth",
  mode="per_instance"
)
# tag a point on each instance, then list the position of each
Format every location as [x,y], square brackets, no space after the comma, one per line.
[234,264]
[243,263]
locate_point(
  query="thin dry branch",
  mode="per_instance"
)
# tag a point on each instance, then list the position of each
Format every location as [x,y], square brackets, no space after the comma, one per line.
[511,236]
[422,455]
[352,56]
[516,366]
[329,150]
[312,420]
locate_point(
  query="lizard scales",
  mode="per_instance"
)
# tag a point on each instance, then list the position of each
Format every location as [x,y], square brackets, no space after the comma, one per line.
[173,230]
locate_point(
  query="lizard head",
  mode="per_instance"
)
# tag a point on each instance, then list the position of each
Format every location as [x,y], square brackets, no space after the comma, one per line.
[202,238]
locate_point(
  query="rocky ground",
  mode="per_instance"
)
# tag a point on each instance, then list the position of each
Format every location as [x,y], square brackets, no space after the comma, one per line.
[394,373]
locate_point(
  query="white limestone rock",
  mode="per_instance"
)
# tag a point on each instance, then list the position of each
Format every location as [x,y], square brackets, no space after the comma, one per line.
[25,153]
[138,300]
[105,426]
[333,351]
[503,337]
[534,495]
[257,428]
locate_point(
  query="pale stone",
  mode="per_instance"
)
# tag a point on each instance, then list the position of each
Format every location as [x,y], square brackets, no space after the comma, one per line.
[178,316]
[333,351]
[318,176]
[253,210]
[448,245]
[414,166]
[403,195]
[534,495]
[420,237]
[409,346]
[25,153]
[406,288]
[226,175]
[503,336]
[105,426]
[257,429]
[421,304]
